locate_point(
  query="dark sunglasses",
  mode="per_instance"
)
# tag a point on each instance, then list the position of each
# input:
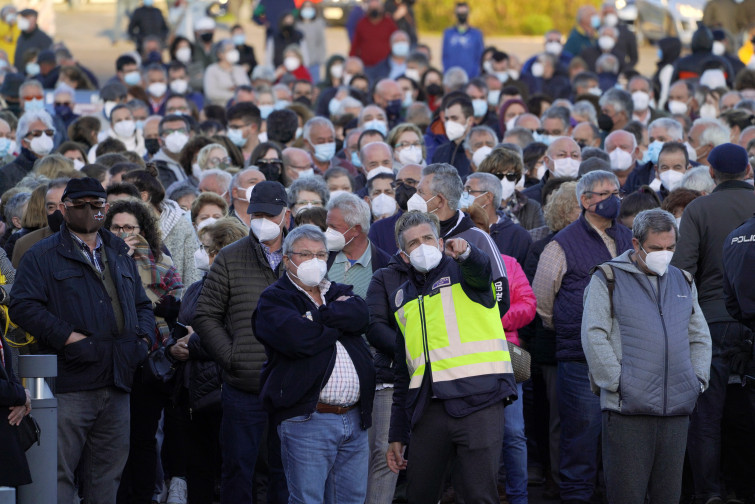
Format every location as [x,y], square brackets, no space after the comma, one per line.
[511,177]
[38,133]
[80,205]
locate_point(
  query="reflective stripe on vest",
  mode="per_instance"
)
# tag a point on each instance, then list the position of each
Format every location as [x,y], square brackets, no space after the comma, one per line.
[475,347]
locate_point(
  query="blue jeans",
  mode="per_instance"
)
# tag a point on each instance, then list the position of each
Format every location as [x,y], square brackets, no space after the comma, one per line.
[382,481]
[580,431]
[514,454]
[325,457]
[241,429]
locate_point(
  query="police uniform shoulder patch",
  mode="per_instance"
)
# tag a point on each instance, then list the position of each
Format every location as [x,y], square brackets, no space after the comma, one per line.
[443,282]
[399,299]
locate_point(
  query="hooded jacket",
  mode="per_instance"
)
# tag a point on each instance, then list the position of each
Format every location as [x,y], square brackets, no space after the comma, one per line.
[693,65]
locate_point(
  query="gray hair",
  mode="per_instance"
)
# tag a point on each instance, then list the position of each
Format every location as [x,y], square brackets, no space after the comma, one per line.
[305,231]
[15,205]
[476,131]
[489,183]
[181,189]
[654,220]
[223,176]
[63,88]
[455,78]
[446,181]
[354,210]
[413,219]
[24,124]
[584,108]
[263,72]
[715,133]
[590,179]
[347,103]
[204,153]
[515,148]
[283,87]
[314,184]
[235,179]
[557,112]
[33,180]
[30,83]
[523,135]
[316,121]
[699,179]
[747,104]
[607,63]
[620,99]
[673,128]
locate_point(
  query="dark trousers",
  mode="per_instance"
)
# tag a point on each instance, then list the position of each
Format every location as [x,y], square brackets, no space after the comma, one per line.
[643,456]
[203,461]
[705,433]
[472,442]
[138,480]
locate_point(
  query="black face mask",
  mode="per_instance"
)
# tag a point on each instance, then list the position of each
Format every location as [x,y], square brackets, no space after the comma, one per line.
[462,18]
[206,37]
[393,109]
[304,101]
[582,144]
[374,13]
[403,193]
[54,220]
[86,220]
[272,171]
[605,122]
[152,145]
[434,90]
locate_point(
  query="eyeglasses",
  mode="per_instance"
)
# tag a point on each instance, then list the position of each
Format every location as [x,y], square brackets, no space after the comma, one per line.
[274,161]
[38,133]
[311,202]
[216,161]
[167,132]
[604,194]
[470,191]
[401,145]
[32,97]
[66,103]
[80,205]
[407,181]
[128,228]
[511,177]
[307,255]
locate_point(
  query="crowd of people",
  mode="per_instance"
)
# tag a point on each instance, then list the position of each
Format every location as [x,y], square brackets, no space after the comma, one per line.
[303,278]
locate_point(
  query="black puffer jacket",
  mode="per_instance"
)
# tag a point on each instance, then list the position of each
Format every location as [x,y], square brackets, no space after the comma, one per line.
[383,328]
[223,318]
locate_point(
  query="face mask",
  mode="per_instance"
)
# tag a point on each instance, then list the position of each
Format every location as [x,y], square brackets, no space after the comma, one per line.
[413,74]
[23,23]
[157,89]
[507,188]
[403,194]
[537,69]
[311,272]
[595,21]
[418,203]
[408,100]
[553,48]
[466,200]
[454,130]
[12,147]
[606,43]
[400,49]
[232,56]
[493,96]
[355,161]
[309,172]
[480,154]
[291,63]
[34,105]
[379,171]
[510,123]
[677,107]
[248,193]
[125,129]
[183,54]
[176,141]
[308,13]
[393,109]
[85,221]
[621,160]
[281,104]
[62,110]
[201,260]
[425,257]
[611,20]
[266,110]
[78,164]
[206,37]
[678,222]
[718,48]
[347,78]
[333,106]
[434,90]
[605,122]
[410,155]
[514,74]
[542,138]
[325,152]
[108,108]
[41,145]
[336,240]
[566,167]
[4,147]
[152,145]
[54,220]
[239,39]
[265,230]
[196,170]
[336,71]
[480,107]
[207,222]
[179,86]
[337,193]
[654,149]
[708,111]
[378,125]
[541,171]
[462,18]
[132,78]
[658,261]
[671,179]
[691,152]
[383,205]
[640,100]
[32,69]
[236,136]
[608,208]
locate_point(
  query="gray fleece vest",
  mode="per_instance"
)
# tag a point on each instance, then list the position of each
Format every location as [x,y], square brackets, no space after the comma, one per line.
[657,377]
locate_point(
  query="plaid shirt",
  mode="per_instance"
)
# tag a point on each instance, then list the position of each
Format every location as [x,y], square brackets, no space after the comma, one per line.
[342,388]
[93,257]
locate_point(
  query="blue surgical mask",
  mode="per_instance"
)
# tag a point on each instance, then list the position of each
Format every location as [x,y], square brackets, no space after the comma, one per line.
[377,124]
[4,146]
[239,39]
[609,207]
[654,149]
[480,107]
[308,13]
[236,136]
[542,138]
[132,78]
[355,160]
[149,3]
[400,49]
[265,110]
[466,200]
[325,152]
[595,21]
[32,69]
[34,105]
[140,125]
[281,104]
[660,54]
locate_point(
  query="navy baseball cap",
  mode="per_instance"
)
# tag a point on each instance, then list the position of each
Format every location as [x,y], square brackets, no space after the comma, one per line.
[82,187]
[728,158]
[268,197]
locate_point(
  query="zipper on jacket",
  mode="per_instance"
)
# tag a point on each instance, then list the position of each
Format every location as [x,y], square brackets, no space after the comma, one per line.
[665,342]
[425,346]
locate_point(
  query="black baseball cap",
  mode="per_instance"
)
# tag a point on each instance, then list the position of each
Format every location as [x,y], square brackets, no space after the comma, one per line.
[82,187]
[268,197]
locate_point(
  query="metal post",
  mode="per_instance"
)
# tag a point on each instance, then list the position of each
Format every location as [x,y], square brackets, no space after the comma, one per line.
[42,458]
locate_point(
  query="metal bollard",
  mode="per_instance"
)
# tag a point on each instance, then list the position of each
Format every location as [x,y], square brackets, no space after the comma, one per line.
[7,495]
[42,458]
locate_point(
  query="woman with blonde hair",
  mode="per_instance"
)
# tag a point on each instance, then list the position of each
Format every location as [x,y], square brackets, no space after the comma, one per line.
[408,145]
[55,166]
[35,217]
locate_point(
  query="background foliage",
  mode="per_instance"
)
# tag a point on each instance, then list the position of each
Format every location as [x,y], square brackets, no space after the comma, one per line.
[503,17]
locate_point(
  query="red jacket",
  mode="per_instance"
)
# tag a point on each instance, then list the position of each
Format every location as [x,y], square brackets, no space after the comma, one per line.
[523,302]
[372,41]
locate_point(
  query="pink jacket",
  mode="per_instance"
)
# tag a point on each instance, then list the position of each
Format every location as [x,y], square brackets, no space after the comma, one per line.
[523,302]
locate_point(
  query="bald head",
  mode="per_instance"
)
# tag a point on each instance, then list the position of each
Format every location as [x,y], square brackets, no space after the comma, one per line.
[376,155]
[410,171]
[385,91]
[621,139]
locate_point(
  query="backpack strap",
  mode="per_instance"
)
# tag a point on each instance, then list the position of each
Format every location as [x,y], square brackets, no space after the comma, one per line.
[608,274]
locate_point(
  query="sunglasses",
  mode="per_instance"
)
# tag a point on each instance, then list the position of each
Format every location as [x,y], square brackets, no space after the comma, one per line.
[33,97]
[511,177]
[66,103]
[80,205]
[38,133]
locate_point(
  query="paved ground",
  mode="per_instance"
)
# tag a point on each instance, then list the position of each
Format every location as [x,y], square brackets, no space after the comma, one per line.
[86,31]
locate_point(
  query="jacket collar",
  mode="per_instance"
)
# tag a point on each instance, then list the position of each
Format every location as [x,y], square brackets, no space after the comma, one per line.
[732,184]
